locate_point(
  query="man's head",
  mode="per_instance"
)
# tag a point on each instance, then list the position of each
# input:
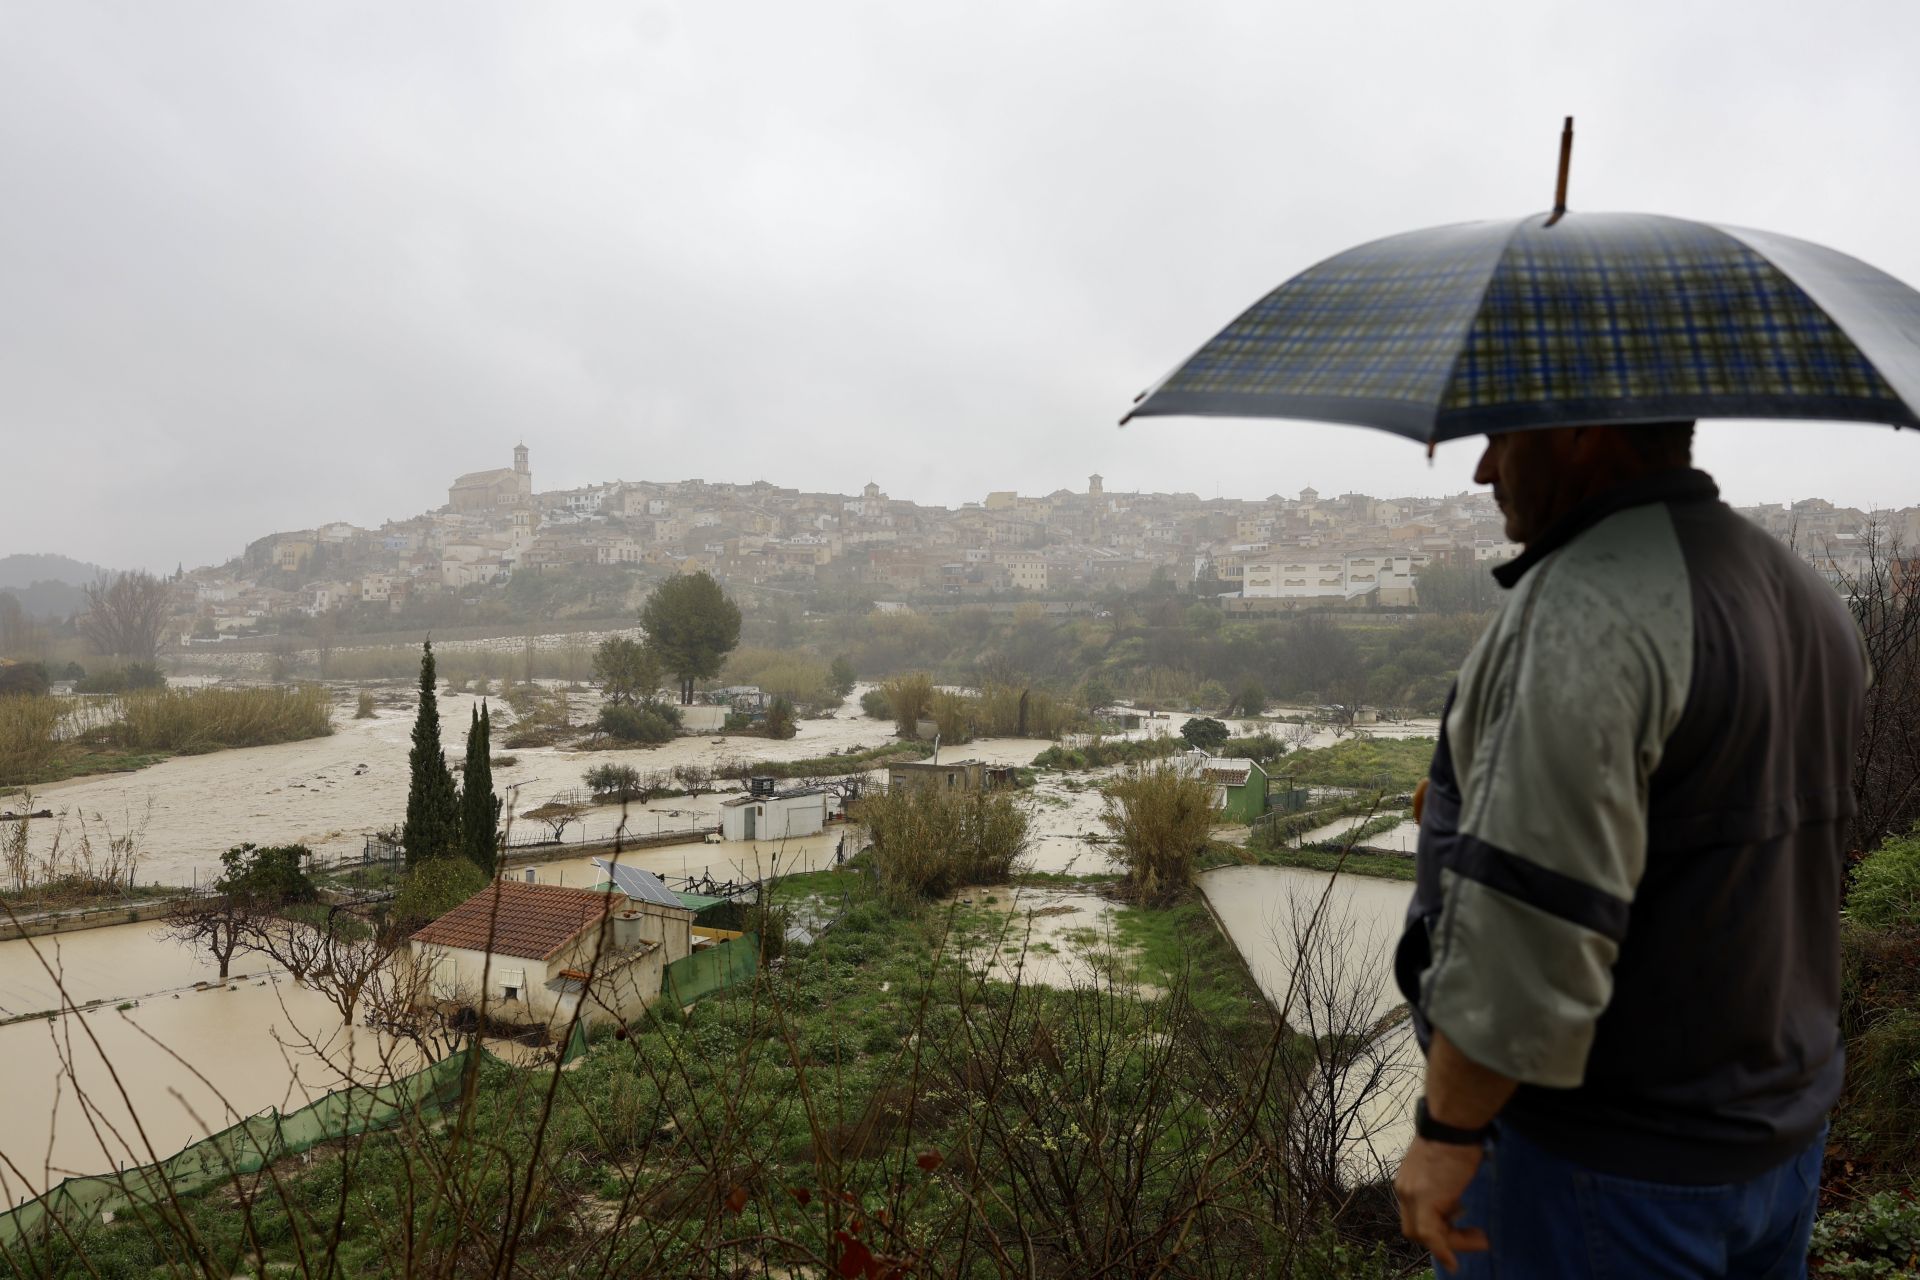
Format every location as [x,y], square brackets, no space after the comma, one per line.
[1538,476]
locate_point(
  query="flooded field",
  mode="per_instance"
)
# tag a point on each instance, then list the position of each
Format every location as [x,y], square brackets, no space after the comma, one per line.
[187,1063]
[1327,977]
[193,1060]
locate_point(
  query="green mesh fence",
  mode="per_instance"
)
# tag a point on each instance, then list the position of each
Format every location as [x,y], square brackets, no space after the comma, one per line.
[715,969]
[249,1146]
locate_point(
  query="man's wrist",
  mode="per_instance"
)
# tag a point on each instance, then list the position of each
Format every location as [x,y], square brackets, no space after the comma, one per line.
[1433,1130]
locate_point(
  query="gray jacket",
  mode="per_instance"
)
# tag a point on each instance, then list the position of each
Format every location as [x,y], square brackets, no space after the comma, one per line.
[1630,857]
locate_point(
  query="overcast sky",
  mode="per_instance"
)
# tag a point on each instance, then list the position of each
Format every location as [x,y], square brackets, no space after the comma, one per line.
[263,266]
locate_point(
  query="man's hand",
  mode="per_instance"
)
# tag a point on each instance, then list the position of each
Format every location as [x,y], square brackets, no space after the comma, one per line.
[1432,1177]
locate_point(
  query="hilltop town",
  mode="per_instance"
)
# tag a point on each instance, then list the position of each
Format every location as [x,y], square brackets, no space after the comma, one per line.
[1304,551]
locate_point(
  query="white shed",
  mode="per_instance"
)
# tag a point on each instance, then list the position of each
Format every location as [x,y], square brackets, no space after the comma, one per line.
[778,816]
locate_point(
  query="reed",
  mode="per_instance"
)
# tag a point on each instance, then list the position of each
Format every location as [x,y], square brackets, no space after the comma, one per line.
[188,721]
[27,737]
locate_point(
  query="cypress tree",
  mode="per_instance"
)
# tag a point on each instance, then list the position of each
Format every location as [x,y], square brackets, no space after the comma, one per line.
[479,806]
[433,806]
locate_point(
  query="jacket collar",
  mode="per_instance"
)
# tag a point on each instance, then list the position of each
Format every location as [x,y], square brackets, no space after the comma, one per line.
[1666,486]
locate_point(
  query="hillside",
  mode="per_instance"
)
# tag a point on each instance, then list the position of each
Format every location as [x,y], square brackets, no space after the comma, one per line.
[26,570]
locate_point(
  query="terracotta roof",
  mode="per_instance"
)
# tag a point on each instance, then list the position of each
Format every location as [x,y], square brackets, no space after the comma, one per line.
[530,920]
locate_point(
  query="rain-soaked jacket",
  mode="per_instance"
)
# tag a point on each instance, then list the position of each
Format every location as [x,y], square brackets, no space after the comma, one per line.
[1630,855]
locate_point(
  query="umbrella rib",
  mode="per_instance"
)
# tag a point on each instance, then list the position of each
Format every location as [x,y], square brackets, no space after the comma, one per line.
[1460,347]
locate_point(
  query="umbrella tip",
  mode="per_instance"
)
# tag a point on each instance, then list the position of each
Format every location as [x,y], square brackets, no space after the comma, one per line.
[1566,162]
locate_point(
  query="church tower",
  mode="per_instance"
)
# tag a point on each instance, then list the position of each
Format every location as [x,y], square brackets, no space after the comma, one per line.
[520,460]
[1093,486]
[522,474]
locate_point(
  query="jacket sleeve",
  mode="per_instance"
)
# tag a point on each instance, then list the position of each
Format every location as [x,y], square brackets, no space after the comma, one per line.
[1568,708]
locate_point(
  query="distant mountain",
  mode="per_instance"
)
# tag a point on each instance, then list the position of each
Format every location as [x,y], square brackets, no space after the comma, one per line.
[25,571]
[47,586]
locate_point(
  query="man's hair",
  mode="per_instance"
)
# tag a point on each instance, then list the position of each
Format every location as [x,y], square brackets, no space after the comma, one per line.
[1661,444]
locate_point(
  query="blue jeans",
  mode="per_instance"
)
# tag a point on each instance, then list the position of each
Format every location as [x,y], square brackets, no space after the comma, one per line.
[1549,1217]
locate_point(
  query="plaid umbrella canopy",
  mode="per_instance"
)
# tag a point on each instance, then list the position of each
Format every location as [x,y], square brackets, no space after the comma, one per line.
[1584,318]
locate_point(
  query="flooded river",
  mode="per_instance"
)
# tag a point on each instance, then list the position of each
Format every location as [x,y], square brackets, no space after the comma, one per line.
[191,1061]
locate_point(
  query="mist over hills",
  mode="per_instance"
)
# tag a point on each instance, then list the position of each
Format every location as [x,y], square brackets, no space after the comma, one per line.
[47,585]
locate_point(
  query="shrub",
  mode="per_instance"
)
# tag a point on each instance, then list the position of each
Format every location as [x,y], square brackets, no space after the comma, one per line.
[433,888]
[23,679]
[1205,733]
[841,674]
[620,783]
[1098,754]
[270,875]
[648,724]
[952,716]
[909,698]
[1886,885]
[363,706]
[1878,1239]
[192,720]
[133,676]
[1160,817]
[780,722]
[874,705]
[928,843]
[27,743]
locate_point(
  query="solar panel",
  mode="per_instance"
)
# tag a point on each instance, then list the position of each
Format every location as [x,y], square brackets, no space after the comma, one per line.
[639,884]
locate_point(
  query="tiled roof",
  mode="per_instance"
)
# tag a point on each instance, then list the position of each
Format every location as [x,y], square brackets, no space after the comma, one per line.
[511,918]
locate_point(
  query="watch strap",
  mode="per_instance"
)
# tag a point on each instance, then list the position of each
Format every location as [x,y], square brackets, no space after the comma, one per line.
[1425,1126]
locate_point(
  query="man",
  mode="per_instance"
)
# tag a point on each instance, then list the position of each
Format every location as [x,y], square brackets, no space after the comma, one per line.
[1623,947]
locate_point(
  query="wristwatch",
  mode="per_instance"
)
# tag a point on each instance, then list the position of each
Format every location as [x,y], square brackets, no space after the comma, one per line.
[1425,1126]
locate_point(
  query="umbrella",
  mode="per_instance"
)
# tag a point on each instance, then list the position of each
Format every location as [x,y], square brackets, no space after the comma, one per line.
[1564,318]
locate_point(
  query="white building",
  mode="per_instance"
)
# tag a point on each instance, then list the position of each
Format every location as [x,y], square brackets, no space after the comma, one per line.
[774,815]
[535,954]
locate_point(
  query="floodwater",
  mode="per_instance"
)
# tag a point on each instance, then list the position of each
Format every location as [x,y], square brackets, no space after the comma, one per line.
[1404,838]
[236,1048]
[329,793]
[1340,977]
[186,1062]
[1052,937]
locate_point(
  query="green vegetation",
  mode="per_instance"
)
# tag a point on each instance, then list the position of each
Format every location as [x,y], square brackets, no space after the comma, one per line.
[479,806]
[627,670]
[1384,866]
[692,625]
[363,706]
[432,827]
[1098,754]
[928,841]
[1367,764]
[909,698]
[131,678]
[1159,816]
[1205,733]
[1886,885]
[870,1100]
[431,889]
[799,677]
[639,726]
[47,738]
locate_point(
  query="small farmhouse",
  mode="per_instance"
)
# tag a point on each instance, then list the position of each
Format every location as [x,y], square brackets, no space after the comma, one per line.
[534,954]
[766,814]
[1239,786]
[961,775]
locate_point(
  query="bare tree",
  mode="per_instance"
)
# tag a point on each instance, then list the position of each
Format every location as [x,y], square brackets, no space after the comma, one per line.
[1884,596]
[294,945]
[221,923]
[352,958]
[126,615]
